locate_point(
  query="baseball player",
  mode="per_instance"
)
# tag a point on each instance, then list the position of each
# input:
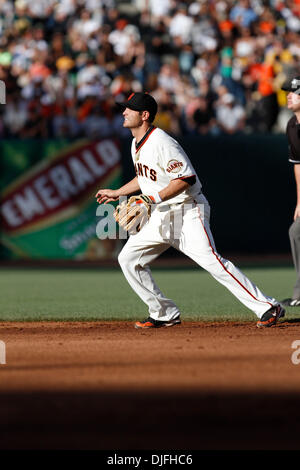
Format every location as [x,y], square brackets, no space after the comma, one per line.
[165,174]
[293,135]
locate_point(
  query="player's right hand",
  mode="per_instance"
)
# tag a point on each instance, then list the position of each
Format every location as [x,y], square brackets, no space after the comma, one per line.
[106,195]
[297,212]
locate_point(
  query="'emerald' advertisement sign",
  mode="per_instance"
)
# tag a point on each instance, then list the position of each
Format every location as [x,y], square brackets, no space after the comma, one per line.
[50,210]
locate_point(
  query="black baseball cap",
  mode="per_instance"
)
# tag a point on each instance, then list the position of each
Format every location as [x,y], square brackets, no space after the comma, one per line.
[293,85]
[141,102]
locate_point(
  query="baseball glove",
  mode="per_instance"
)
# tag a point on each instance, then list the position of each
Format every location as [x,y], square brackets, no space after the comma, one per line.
[134,214]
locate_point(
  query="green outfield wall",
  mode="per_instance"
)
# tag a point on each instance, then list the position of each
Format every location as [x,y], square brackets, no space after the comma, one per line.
[48,209]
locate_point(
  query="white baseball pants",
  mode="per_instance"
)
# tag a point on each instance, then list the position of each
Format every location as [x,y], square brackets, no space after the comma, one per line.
[186,228]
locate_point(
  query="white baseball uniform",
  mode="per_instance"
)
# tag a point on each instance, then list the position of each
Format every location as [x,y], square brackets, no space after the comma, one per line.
[181,222]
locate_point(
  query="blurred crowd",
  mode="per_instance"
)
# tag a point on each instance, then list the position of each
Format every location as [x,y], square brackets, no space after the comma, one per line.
[214,66]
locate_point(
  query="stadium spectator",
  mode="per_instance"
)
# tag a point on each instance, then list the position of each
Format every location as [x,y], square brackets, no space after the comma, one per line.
[243,14]
[230,116]
[204,117]
[180,26]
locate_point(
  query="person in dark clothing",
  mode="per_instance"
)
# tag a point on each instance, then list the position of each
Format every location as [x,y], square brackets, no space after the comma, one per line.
[293,135]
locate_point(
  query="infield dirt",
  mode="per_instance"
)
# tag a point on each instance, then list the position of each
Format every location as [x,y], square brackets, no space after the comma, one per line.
[105,385]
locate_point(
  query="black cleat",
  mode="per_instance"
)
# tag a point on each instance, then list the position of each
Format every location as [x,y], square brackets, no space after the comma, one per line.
[151,323]
[270,317]
[291,302]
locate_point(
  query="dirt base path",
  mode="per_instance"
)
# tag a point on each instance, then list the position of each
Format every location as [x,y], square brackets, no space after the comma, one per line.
[105,385]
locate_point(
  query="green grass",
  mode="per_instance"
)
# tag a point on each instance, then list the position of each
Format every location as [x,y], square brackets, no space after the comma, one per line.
[80,294]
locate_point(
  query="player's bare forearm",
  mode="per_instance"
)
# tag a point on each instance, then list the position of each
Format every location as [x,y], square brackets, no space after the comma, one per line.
[130,188]
[297,178]
[174,188]
[110,195]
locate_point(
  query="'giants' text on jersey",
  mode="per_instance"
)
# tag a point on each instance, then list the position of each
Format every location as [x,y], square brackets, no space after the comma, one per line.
[144,170]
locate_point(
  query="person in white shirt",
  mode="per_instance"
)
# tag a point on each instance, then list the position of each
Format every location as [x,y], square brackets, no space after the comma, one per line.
[231,117]
[180,219]
[181,25]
